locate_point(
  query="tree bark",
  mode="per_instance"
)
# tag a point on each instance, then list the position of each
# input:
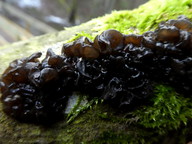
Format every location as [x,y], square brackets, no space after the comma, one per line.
[97,125]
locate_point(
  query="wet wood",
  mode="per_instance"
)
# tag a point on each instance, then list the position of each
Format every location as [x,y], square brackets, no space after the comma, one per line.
[29,20]
[3,41]
[11,32]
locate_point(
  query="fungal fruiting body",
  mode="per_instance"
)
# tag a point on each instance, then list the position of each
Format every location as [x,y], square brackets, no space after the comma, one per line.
[119,68]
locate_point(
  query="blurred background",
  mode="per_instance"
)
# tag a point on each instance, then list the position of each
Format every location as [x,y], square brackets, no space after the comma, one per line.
[23,19]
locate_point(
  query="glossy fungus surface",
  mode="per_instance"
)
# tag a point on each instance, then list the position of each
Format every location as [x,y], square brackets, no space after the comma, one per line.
[119,68]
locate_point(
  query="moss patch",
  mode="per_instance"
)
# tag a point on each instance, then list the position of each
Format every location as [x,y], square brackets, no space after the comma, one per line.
[168,110]
[145,18]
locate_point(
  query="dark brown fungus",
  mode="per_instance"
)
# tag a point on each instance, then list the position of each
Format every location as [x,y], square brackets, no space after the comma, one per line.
[89,52]
[19,69]
[181,23]
[109,40]
[74,49]
[133,39]
[168,34]
[149,39]
[121,69]
[80,48]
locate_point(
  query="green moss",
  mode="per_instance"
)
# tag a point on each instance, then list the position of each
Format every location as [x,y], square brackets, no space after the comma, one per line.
[168,110]
[81,106]
[168,117]
[80,34]
[147,16]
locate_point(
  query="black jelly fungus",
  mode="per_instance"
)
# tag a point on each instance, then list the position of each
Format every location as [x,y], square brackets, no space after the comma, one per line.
[121,69]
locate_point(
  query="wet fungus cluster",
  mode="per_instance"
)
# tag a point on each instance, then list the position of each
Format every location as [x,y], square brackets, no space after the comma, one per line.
[119,68]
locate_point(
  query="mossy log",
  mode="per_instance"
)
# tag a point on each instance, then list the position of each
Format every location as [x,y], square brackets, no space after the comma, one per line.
[100,123]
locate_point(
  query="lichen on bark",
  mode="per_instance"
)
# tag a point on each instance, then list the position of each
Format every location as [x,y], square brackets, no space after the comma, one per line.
[101,124]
